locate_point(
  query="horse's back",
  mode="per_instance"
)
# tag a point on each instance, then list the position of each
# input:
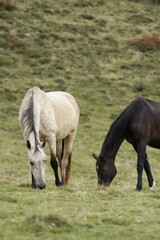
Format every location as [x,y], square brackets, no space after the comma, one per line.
[63,97]
[141,103]
[61,113]
[144,121]
[63,103]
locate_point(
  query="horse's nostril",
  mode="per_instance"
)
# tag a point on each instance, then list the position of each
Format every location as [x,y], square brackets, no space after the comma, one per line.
[99,182]
[41,186]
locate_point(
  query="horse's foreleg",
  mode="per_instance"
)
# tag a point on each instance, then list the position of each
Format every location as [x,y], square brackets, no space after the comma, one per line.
[54,164]
[140,165]
[148,173]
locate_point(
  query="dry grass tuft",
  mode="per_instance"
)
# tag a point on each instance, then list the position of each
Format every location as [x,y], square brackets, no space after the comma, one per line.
[140,16]
[7,6]
[146,43]
[19,45]
[87,16]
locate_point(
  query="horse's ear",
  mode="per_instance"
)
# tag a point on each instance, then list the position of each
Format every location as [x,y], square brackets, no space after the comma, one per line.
[94,156]
[28,144]
[43,144]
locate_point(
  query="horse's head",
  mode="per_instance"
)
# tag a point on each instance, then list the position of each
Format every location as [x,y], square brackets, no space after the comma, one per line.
[36,160]
[106,170]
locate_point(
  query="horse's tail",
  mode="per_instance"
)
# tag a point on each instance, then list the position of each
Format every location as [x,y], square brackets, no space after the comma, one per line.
[68,169]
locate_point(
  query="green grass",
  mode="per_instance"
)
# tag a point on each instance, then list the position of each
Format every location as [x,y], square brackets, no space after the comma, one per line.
[82,47]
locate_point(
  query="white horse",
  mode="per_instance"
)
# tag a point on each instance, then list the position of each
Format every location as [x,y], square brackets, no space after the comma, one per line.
[53,118]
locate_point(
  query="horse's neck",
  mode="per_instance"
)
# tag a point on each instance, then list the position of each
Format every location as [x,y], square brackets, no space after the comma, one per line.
[110,147]
[116,135]
[113,140]
[38,95]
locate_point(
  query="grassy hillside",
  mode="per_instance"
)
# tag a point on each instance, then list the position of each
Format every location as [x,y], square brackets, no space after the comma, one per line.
[105,53]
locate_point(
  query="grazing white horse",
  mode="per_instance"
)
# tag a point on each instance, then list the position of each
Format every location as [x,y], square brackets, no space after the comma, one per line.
[50,117]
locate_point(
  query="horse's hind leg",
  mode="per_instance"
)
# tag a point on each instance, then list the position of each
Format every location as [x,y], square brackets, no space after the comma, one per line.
[59,150]
[66,160]
[60,154]
[68,169]
[148,173]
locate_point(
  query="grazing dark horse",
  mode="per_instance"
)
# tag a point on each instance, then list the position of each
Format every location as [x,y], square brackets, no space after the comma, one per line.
[139,124]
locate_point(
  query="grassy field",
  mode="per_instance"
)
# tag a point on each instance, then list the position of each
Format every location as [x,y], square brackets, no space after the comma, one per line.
[105,53]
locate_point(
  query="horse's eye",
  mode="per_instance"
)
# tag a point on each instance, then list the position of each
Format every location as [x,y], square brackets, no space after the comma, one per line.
[32,163]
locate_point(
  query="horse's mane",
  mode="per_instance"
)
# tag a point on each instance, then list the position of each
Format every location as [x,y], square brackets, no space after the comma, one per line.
[116,133]
[27,117]
[27,120]
[119,125]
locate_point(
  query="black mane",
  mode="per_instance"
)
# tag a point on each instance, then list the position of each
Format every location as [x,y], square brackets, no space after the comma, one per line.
[116,133]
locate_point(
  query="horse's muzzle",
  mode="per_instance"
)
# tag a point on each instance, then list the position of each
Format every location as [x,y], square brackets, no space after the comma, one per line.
[102,183]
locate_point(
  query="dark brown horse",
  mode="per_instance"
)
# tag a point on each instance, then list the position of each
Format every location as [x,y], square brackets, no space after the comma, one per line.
[139,124]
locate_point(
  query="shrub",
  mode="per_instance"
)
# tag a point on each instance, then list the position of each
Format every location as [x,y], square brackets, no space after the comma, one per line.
[7,6]
[146,43]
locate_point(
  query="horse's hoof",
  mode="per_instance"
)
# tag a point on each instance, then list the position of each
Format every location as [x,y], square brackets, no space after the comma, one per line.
[153,186]
[59,184]
[137,189]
